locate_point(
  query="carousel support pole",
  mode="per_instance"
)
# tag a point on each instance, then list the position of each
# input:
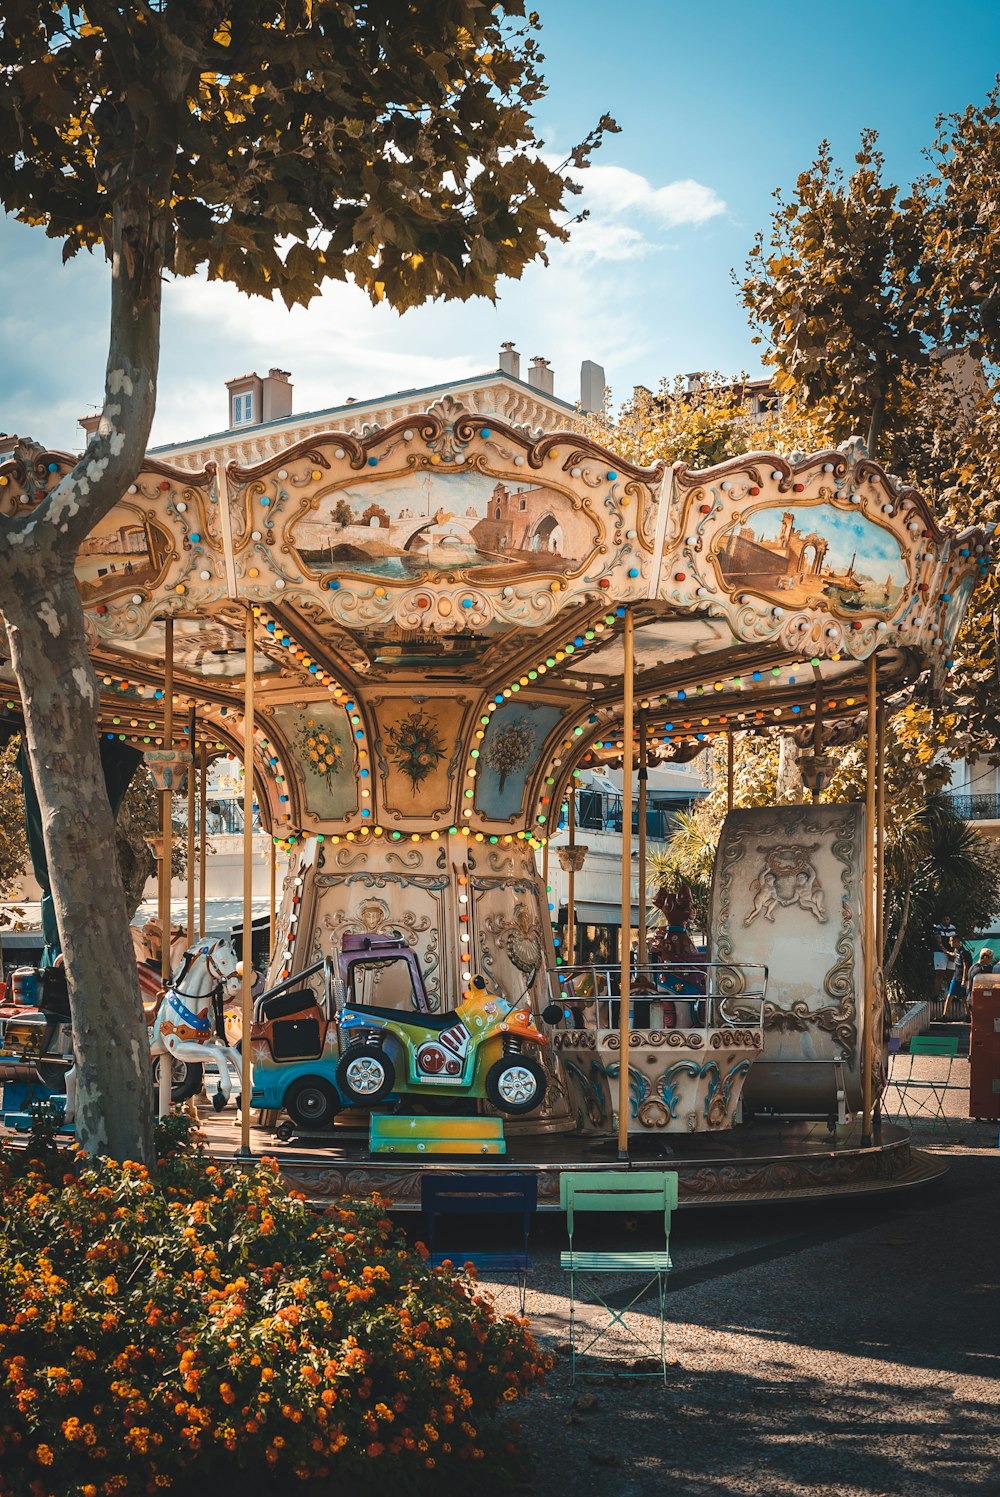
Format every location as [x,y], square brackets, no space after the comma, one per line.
[190,830]
[202,844]
[868,904]
[569,953]
[628,727]
[165,804]
[272,894]
[879,955]
[643,776]
[730,769]
[545,879]
[880,851]
[247,1007]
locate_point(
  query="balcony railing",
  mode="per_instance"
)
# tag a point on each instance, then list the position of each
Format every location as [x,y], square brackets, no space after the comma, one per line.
[603,813]
[974,807]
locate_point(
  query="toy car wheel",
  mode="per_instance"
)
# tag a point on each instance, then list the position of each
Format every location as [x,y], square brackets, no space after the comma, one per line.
[515,1084]
[365,1074]
[186,1078]
[312,1102]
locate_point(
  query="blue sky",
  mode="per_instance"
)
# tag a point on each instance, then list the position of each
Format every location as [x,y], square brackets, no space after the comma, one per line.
[719,104]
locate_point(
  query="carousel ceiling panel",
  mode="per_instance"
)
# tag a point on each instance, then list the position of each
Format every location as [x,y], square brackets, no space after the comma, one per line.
[659,644]
[201,647]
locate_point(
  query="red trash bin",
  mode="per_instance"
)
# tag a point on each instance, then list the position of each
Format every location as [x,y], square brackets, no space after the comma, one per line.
[984,1048]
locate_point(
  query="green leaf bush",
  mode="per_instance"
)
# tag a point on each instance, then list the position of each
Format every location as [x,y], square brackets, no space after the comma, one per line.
[201,1321]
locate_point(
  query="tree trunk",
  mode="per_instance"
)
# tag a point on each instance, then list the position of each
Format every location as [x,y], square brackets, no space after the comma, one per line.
[46,631]
[875,424]
[790,786]
[59,693]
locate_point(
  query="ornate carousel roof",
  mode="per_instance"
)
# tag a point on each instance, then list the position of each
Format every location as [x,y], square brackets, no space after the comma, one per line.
[439,610]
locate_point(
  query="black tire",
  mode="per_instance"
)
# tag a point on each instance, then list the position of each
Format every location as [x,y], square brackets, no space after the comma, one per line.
[507,1084]
[312,1103]
[365,1075]
[186,1079]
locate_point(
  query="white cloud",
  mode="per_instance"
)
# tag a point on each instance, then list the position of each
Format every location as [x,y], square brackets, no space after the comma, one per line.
[625,212]
[614,191]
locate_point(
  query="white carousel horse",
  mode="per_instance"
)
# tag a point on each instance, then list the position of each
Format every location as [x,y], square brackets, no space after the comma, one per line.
[184,1026]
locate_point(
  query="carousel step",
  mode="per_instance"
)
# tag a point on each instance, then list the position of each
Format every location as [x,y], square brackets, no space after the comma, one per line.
[433,1135]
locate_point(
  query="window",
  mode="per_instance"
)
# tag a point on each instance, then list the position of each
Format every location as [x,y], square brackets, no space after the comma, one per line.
[242,409]
[383,984]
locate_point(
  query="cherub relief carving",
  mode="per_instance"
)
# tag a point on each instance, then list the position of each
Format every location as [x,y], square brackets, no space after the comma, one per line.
[787,878]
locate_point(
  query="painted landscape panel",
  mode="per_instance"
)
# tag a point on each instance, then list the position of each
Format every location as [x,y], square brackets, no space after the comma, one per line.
[816,554]
[418,526]
[127,550]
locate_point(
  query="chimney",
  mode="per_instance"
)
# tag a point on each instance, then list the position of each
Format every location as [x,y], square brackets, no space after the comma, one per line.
[276,395]
[510,360]
[540,376]
[90,424]
[695,381]
[592,387]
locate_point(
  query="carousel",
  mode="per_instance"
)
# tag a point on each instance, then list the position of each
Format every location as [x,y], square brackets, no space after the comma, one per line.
[415,637]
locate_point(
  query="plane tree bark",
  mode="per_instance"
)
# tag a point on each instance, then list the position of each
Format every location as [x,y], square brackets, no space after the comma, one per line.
[59,690]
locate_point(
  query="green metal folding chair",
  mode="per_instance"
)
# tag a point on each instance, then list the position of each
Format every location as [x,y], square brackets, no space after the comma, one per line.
[616,1193]
[922,1098]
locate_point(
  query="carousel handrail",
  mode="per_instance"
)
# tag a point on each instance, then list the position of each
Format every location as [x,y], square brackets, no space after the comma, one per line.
[753,992]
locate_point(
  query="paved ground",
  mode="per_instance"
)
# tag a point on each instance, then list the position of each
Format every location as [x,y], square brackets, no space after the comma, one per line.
[842,1350]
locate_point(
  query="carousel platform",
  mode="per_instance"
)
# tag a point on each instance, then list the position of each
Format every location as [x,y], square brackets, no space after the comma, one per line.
[752,1165]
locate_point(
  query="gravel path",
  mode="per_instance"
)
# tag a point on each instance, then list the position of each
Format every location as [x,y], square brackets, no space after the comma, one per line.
[844,1349]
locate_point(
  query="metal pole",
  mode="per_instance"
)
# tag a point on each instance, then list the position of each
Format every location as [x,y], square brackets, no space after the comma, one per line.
[730,769]
[570,950]
[165,800]
[880,823]
[190,829]
[879,955]
[868,903]
[628,726]
[272,895]
[247,1005]
[202,844]
[643,774]
[545,880]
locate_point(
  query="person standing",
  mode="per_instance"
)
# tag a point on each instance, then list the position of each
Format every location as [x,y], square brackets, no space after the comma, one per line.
[944,938]
[958,988]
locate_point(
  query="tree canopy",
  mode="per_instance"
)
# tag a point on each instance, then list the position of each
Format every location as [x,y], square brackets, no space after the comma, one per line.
[288,144]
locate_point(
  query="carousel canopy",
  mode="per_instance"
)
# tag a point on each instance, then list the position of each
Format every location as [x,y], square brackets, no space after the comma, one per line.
[438,611]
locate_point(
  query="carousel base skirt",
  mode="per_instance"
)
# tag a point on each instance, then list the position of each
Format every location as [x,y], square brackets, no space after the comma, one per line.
[750,1165]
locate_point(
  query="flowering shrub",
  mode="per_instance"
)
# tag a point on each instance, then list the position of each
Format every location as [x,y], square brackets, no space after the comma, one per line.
[201,1321]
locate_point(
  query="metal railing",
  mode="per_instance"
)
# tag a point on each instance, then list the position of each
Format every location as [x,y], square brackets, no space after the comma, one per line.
[223,818]
[597,812]
[974,807]
[716,995]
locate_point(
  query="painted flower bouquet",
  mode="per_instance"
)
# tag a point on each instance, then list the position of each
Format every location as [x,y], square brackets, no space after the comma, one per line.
[319,750]
[199,1321]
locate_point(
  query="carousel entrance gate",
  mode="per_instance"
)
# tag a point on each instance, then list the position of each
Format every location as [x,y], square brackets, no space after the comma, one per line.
[616,1193]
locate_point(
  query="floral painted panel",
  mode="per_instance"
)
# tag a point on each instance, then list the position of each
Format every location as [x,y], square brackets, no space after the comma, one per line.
[416,744]
[509,753]
[322,745]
